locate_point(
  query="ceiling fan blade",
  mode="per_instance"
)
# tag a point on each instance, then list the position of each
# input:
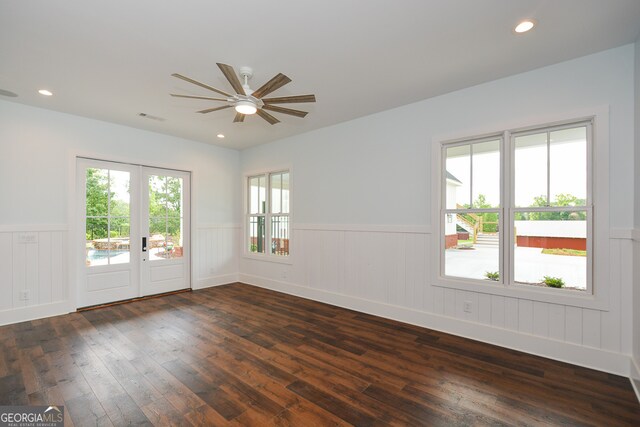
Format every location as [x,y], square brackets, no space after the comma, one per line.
[230,74]
[239,118]
[275,83]
[209,110]
[268,117]
[283,110]
[290,99]
[198,97]
[187,79]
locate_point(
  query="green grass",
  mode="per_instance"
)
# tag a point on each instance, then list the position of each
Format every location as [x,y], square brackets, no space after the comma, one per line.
[566,252]
[465,242]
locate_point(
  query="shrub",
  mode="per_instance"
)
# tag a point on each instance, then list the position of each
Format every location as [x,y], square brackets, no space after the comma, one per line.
[492,275]
[553,282]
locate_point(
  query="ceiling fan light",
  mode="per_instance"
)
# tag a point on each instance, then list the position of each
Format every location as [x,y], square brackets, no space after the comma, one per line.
[246,107]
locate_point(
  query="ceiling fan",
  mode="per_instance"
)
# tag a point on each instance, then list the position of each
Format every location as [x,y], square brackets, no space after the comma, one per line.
[247,101]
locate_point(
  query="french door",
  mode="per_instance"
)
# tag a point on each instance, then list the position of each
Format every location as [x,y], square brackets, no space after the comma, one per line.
[135,231]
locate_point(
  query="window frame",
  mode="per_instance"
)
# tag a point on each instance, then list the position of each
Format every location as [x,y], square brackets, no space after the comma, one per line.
[596,295]
[268,214]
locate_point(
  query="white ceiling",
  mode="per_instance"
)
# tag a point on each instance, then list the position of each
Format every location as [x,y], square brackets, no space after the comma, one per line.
[111,60]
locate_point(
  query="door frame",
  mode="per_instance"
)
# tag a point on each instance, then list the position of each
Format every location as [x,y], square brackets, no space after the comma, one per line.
[74,217]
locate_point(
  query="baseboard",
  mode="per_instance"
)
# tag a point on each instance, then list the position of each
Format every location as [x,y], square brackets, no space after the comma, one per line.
[209,282]
[588,357]
[23,314]
[634,376]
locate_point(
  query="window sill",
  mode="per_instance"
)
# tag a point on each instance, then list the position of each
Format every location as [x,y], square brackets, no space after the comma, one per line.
[269,258]
[532,293]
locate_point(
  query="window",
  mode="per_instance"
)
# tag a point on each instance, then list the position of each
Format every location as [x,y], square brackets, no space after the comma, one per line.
[516,208]
[268,213]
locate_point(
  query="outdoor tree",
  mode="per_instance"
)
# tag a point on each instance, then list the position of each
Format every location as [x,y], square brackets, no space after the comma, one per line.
[560,200]
[489,219]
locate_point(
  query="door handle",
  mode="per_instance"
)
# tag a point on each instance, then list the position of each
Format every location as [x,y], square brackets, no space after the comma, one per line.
[144,244]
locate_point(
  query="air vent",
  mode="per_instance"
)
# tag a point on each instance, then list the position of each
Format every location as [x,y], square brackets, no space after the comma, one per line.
[8,93]
[150,117]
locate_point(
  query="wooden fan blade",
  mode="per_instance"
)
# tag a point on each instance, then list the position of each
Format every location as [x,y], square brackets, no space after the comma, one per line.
[230,74]
[283,110]
[277,82]
[268,117]
[198,97]
[187,79]
[290,99]
[209,110]
[239,118]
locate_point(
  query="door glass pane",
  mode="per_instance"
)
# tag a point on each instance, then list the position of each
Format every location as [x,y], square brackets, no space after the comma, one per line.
[108,216]
[97,191]
[568,160]
[174,196]
[174,237]
[165,221]
[256,234]
[97,242]
[157,196]
[119,244]
[531,170]
[551,245]
[120,197]
[458,177]
[472,246]
[157,239]
[486,175]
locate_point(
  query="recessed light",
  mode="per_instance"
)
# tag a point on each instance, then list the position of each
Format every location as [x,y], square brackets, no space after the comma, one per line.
[221,136]
[45,92]
[525,26]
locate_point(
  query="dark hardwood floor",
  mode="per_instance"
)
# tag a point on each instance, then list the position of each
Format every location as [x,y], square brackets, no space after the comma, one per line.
[242,355]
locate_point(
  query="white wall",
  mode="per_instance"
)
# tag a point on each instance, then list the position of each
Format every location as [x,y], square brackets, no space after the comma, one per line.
[362,212]
[572,229]
[636,250]
[37,168]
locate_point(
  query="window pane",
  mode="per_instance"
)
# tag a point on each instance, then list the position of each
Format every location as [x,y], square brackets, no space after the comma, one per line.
[157,243]
[472,245]
[174,196]
[97,191]
[280,235]
[97,244]
[551,244]
[276,193]
[285,192]
[568,160]
[531,170]
[119,188]
[257,194]
[458,177]
[256,234]
[486,174]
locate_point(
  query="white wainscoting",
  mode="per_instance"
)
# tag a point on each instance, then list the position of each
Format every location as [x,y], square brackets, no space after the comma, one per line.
[36,259]
[216,250]
[385,271]
[33,259]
